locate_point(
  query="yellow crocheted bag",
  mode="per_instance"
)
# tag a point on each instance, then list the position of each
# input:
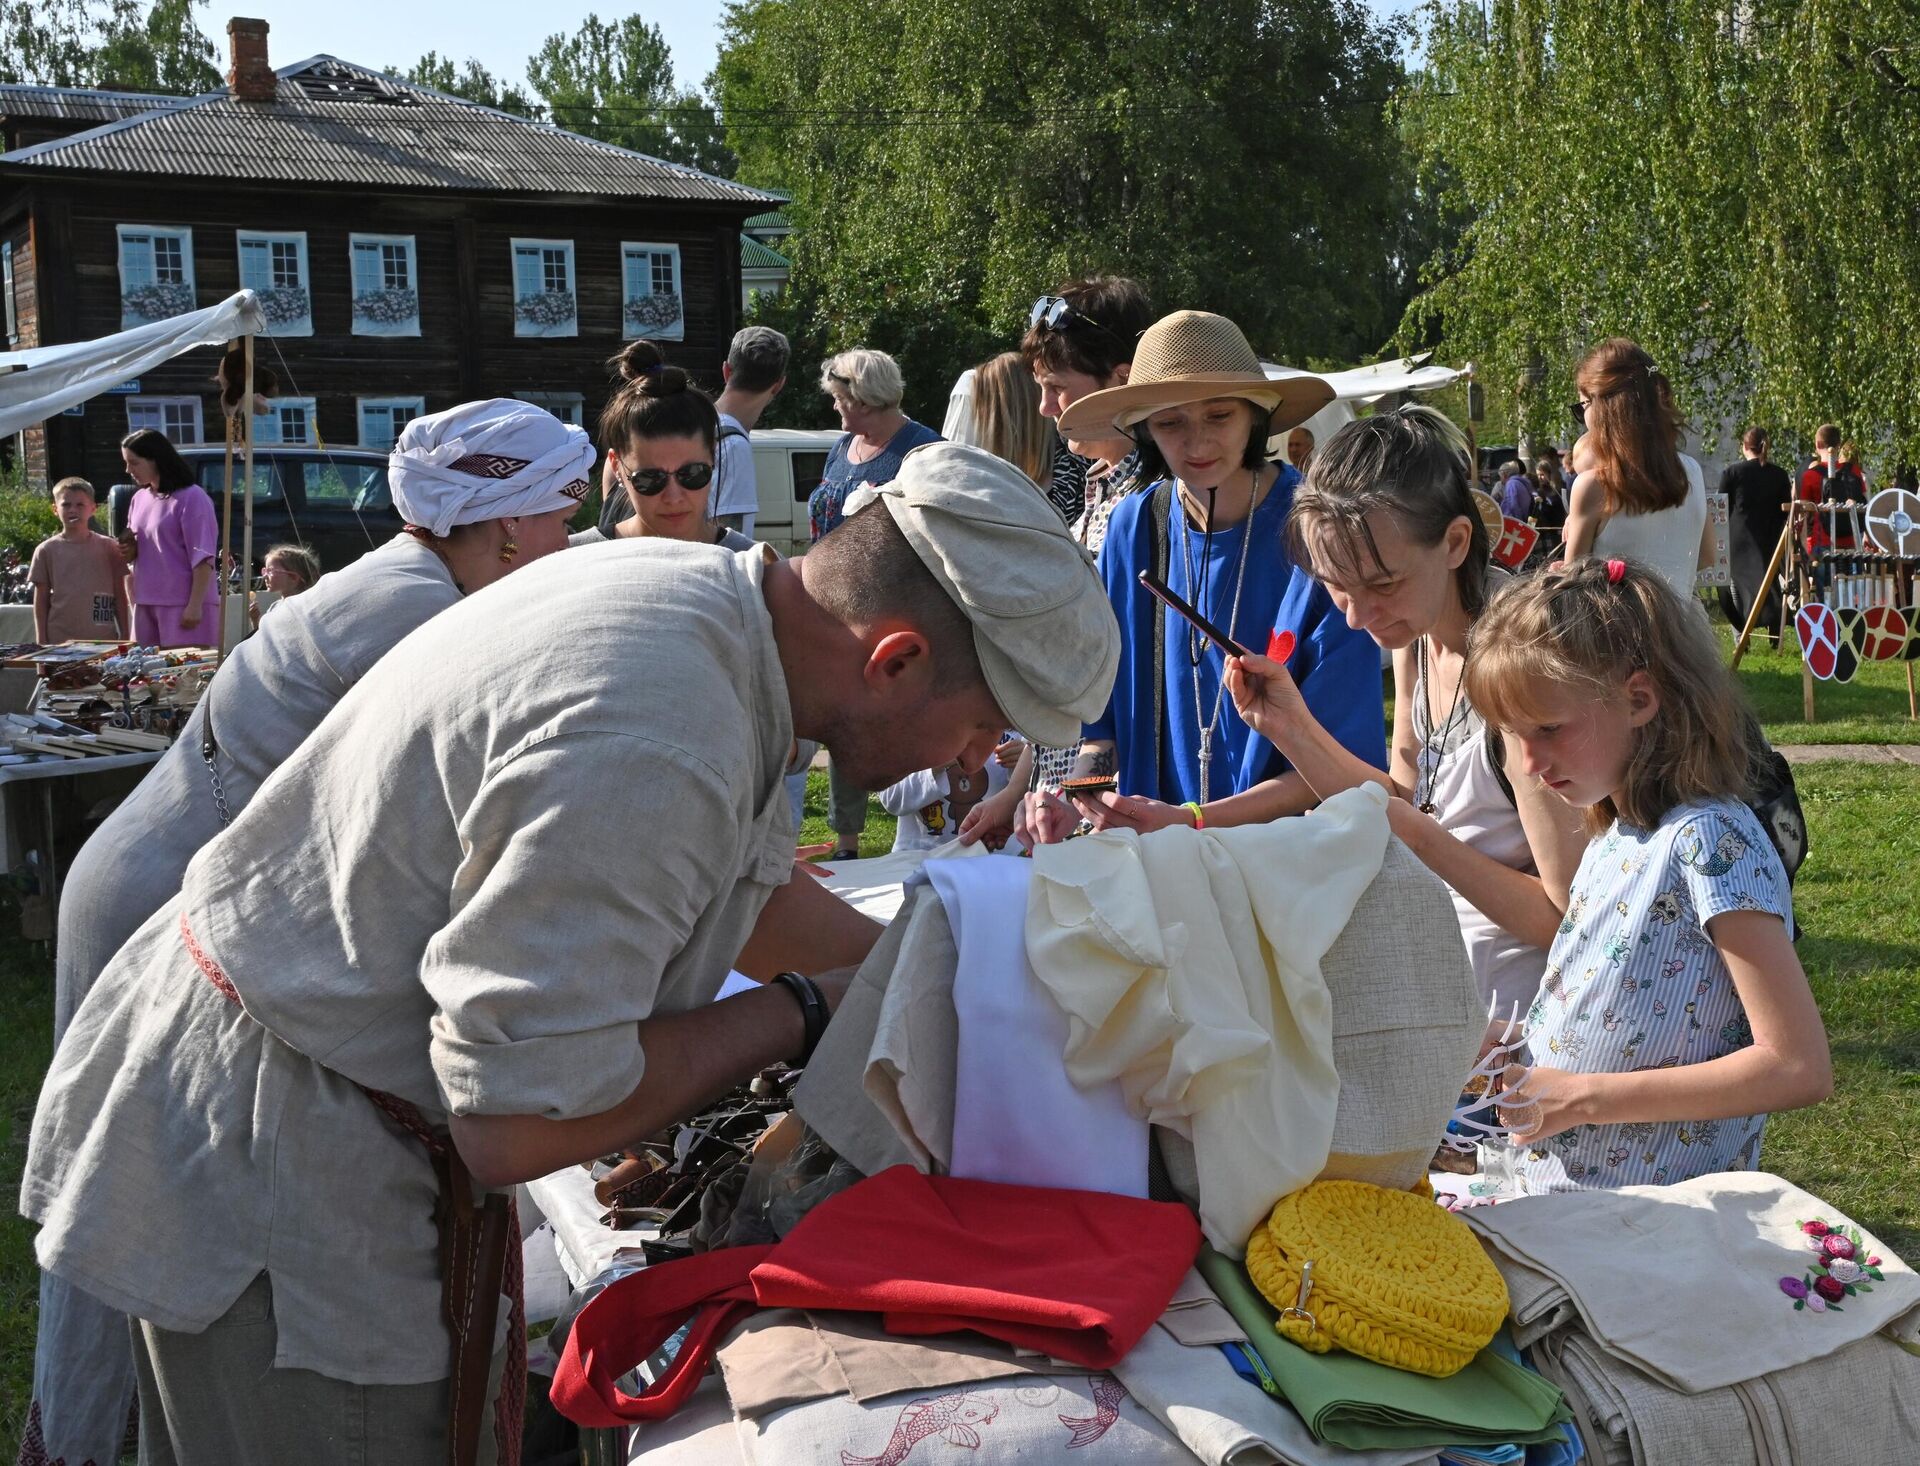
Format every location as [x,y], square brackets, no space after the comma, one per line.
[1390,1276]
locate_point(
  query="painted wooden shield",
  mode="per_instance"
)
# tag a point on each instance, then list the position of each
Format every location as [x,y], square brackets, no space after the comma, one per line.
[1846,661]
[1882,633]
[1893,522]
[1820,641]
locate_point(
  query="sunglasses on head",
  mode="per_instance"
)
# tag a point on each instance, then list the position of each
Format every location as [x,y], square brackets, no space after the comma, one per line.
[1056,313]
[646,482]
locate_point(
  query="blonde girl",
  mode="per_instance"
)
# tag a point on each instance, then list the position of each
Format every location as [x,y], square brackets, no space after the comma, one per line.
[1674,1015]
[1007,420]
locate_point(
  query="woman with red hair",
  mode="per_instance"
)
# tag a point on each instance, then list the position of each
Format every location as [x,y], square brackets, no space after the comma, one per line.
[1637,497]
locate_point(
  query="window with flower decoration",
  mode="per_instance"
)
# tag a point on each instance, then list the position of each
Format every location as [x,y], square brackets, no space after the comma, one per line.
[652,303]
[156,274]
[386,294]
[274,267]
[543,295]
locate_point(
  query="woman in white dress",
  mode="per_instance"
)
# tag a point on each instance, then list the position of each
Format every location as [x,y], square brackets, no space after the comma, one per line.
[484,488]
[1637,496]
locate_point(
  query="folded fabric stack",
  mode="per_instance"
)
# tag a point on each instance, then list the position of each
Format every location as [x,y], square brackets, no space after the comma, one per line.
[1729,1319]
[1492,1401]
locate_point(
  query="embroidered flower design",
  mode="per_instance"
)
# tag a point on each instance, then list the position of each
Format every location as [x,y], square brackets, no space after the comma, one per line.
[1835,1271]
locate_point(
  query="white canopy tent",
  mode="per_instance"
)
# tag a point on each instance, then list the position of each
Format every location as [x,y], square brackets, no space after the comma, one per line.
[44,381]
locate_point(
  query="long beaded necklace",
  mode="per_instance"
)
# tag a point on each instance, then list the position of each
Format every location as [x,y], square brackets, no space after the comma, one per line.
[1433,747]
[1196,643]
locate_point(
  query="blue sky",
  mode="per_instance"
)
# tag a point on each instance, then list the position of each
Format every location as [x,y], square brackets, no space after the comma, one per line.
[500,35]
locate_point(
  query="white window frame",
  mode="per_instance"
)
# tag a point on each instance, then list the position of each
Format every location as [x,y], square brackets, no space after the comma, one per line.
[6,283]
[271,426]
[569,407]
[295,242]
[169,415]
[363,326]
[537,328]
[133,239]
[416,406]
[630,251]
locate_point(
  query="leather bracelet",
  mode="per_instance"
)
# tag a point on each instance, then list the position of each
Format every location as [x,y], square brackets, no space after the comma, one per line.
[813,1009]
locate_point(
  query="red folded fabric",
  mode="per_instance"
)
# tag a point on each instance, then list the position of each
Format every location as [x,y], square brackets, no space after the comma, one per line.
[1077,1275]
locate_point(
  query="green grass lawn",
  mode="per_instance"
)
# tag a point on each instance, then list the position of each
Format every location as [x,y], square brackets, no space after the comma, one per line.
[1855,898]
[1870,709]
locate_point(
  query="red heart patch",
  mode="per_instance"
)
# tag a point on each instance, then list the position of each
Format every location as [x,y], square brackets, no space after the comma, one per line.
[1280,646]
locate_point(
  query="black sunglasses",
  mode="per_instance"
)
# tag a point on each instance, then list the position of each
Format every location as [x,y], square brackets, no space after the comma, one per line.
[1056,313]
[646,482]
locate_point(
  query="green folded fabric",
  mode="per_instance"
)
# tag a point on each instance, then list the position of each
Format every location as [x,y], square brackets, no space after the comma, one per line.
[1349,1401]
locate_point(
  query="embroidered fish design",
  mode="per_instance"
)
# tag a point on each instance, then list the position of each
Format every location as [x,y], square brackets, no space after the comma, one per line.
[951,1417]
[1726,851]
[1084,1430]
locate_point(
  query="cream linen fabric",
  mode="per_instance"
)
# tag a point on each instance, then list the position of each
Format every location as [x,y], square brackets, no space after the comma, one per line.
[1188,963]
[557,809]
[1711,1251]
[1406,1025]
[1859,1405]
[880,1087]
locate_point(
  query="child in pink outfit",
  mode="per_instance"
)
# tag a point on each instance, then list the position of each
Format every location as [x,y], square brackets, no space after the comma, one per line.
[172,539]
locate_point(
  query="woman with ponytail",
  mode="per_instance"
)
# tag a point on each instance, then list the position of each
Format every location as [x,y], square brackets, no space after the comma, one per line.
[659,432]
[1637,497]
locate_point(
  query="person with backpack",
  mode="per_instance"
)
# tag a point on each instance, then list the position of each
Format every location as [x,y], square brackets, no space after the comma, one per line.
[755,372]
[1832,481]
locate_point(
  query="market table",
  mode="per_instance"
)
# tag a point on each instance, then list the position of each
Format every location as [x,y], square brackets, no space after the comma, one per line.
[45,772]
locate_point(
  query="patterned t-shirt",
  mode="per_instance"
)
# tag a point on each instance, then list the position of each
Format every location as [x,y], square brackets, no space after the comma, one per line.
[1634,982]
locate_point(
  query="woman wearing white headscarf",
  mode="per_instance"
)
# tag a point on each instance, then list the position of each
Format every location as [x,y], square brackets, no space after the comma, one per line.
[483,488]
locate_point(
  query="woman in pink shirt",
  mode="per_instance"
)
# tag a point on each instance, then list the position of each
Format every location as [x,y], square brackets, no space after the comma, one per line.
[171,540]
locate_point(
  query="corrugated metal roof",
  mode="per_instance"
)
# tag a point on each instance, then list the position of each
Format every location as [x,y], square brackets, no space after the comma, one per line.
[371,129]
[756,256]
[78,104]
[773,220]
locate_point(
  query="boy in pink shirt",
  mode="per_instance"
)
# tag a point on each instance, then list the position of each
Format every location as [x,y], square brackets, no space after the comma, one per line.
[79,575]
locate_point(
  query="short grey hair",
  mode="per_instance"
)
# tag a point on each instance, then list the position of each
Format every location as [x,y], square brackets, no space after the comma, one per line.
[757,358]
[871,378]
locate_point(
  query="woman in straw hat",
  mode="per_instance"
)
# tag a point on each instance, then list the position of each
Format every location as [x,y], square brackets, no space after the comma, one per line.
[1212,528]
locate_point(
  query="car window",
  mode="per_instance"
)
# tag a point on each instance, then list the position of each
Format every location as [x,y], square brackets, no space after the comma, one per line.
[266,482]
[332,483]
[808,470]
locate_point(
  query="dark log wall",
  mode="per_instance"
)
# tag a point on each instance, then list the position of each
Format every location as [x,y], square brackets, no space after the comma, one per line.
[464,272]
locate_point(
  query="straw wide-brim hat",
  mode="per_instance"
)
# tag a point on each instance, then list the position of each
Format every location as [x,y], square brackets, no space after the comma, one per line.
[1193,356]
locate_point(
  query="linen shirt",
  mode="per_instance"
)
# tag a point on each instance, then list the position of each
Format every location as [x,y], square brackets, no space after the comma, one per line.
[272,691]
[556,810]
[1633,981]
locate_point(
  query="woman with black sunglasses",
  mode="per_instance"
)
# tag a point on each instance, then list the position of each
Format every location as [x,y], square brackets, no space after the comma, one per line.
[659,431]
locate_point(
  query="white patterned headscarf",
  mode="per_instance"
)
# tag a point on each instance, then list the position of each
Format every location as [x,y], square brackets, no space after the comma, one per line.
[487,460]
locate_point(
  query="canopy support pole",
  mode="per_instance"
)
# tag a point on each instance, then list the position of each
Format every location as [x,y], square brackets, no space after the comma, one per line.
[246,534]
[226,545]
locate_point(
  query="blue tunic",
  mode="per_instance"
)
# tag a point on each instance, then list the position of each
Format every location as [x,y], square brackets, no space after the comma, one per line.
[1338,668]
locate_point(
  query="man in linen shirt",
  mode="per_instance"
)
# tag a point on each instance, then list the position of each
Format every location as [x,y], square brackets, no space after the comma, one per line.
[503,882]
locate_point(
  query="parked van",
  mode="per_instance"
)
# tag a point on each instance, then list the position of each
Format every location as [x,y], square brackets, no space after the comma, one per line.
[788,463]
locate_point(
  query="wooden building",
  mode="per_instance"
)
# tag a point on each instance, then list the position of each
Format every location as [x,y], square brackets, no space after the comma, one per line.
[412,250]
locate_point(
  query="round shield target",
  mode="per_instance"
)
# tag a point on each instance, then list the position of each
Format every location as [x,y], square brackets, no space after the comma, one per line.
[1893,522]
[1820,641]
[1881,633]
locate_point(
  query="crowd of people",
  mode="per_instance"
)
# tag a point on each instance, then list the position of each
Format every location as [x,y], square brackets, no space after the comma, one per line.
[435,889]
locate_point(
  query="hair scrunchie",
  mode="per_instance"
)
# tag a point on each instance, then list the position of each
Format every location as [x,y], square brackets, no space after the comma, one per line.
[1616,571]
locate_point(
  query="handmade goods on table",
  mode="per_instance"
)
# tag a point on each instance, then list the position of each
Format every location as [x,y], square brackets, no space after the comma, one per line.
[103,686]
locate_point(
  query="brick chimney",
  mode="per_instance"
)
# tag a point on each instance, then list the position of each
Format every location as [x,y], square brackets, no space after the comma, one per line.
[250,78]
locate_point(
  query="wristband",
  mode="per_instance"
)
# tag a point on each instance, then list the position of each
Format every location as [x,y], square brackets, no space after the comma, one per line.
[1199,815]
[813,1009]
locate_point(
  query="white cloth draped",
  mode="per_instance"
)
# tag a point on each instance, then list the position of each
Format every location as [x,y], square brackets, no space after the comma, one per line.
[488,460]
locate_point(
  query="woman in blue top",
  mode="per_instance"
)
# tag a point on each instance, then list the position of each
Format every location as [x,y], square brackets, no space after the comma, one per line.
[1213,529]
[866,389]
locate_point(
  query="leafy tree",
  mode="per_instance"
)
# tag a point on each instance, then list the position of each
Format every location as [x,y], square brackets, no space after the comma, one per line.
[1731,185]
[949,160]
[472,81]
[613,80]
[163,52]
[83,43]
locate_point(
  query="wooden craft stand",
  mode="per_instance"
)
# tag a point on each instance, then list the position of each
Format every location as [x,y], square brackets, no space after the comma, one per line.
[1792,552]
